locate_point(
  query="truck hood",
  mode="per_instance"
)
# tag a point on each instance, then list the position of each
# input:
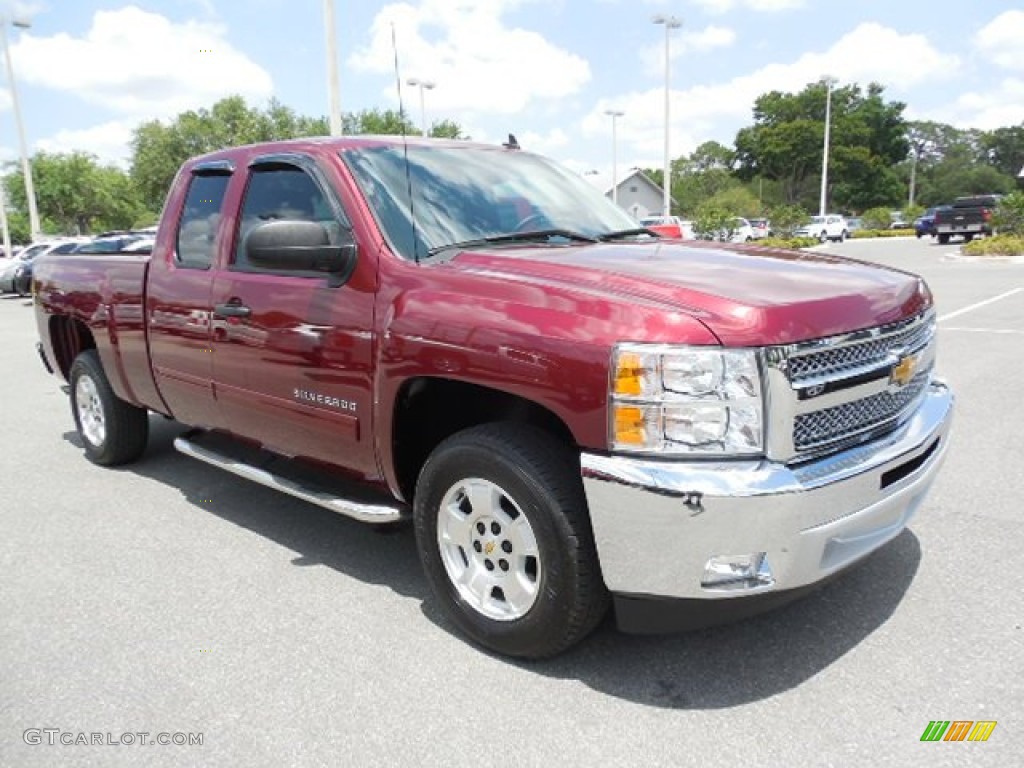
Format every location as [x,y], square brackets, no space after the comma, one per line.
[745,295]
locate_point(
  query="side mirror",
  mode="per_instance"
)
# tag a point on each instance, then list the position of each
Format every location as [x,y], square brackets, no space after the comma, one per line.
[300,246]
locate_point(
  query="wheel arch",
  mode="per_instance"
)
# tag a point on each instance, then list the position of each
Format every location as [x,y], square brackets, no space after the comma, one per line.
[427,410]
[69,337]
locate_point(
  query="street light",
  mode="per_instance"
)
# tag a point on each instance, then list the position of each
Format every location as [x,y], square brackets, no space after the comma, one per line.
[829,82]
[333,88]
[670,22]
[424,85]
[26,168]
[614,114]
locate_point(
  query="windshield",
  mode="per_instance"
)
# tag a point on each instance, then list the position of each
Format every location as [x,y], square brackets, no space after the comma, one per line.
[817,219]
[472,193]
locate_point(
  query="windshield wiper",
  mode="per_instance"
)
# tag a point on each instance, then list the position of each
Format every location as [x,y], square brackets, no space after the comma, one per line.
[620,233]
[517,237]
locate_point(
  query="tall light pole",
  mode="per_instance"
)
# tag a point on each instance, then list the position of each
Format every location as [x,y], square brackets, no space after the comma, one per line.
[333,87]
[424,85]
[829,82]
[615,114]
[670,22]
[26,167]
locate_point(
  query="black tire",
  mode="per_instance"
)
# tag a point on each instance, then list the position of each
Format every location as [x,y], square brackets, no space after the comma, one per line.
[22,286]
[968,238]
[943,239]
[541,477]
[125,427]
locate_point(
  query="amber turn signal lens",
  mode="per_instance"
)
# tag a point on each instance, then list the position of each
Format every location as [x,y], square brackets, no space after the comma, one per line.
[629,425]
[629,374]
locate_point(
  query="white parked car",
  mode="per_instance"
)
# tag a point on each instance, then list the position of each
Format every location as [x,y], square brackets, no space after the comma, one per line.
[830,227]
[741,231]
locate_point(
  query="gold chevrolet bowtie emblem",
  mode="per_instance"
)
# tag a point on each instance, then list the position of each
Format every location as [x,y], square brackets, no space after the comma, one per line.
[903,371]
[488,547]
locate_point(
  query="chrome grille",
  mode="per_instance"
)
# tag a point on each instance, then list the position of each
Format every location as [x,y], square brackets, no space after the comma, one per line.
[831,425]
[832,362]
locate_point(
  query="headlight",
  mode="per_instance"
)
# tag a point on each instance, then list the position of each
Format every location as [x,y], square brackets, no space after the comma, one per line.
[686,400]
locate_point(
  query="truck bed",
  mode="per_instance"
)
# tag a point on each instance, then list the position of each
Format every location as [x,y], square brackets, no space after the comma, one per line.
[107,293]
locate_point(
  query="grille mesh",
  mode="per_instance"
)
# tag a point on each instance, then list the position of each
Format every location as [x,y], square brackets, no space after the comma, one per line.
[833,363]
[811,430]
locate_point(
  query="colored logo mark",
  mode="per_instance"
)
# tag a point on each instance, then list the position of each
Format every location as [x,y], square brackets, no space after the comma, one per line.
[958,730]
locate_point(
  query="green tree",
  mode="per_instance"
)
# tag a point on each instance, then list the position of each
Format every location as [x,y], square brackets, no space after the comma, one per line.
[702,175]
[379,122]
[785,143]
[77,195]
[159,148]
[1004,149]
[447,129]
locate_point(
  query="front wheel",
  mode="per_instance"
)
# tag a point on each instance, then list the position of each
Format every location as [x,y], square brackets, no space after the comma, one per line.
[823,237]
[505,540]
[112,431]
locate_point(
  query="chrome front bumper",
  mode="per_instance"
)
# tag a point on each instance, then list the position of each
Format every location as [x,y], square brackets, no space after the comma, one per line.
[657,523]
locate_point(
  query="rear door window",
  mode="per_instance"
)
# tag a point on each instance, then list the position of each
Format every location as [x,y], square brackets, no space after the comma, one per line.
[197,230]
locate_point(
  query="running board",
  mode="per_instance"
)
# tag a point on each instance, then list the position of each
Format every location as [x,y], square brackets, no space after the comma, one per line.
[366,512]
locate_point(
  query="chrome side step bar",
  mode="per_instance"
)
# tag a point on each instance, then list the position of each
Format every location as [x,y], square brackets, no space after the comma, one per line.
[362,511]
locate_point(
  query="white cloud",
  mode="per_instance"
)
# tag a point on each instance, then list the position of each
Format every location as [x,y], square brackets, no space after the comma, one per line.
[774,5]
[141,64]
[1002,40]
[108,141]
[897,59]
[718,7]
[697,41]
[543,143]
[478,63]
[997,107]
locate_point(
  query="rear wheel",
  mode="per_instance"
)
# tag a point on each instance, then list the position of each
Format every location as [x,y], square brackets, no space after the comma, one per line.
[505,540]
[968,238]
[112,431]
[943,239]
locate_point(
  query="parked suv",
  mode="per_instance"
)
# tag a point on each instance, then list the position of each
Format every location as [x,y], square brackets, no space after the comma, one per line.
[830,227]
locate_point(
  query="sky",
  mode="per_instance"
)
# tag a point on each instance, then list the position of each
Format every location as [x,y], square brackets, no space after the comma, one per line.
[87,72]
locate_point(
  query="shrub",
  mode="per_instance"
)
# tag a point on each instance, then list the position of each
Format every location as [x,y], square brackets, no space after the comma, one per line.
[998,245]
[860,234]
[912,212]
[877,218]
[786,219]
[1009,215]
[792,243]
[711,221]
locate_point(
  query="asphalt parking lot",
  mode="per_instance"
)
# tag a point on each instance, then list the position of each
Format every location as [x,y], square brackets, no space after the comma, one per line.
[171,597]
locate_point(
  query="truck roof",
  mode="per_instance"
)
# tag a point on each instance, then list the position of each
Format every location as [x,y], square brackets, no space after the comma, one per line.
[325,144]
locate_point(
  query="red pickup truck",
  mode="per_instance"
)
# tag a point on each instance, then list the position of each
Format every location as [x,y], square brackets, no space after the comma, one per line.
[573,412]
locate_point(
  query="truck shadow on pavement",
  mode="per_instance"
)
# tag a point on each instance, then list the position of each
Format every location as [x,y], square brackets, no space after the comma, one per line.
[752,659]
[714,668]
[319,536]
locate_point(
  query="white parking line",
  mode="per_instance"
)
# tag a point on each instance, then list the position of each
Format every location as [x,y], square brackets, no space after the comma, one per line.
[985,330]
[979,304]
